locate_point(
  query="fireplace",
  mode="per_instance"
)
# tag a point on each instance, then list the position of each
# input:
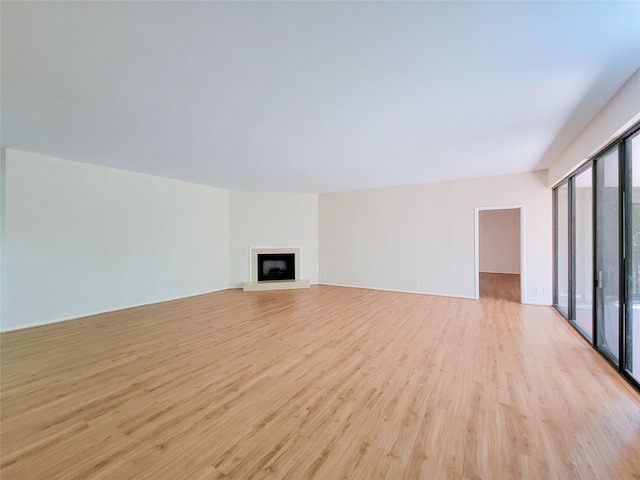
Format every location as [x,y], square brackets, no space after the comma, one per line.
[276,266]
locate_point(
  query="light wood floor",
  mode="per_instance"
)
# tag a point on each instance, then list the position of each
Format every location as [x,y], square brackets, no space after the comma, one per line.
[500,286]
[327,383]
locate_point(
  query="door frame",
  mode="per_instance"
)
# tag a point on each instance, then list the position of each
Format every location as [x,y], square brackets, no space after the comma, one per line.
[523,288]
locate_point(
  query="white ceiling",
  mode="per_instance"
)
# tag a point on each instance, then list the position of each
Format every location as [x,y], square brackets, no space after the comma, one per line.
[310,97]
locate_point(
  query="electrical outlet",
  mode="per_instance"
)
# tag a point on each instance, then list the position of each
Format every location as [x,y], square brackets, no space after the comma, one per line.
[535,291]
[545,291]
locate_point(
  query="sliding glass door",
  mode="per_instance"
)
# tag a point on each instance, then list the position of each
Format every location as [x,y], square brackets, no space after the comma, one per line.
[632,324]
[562,249]
[597,252]
[608,260]
[583,248]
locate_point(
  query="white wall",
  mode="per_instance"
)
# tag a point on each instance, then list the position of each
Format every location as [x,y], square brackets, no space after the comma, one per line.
[273,220]
[499,240]
[420,238]
[80,239]
[619,114]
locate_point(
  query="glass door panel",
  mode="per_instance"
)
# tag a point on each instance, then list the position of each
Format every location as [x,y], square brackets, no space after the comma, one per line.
[608,256]
[562,249]
[583,238]
[632,327]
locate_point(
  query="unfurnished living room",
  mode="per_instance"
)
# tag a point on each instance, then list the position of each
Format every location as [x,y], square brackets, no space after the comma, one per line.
[320,240]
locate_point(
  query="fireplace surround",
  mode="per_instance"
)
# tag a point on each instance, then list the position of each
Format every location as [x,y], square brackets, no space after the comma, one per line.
[275,268]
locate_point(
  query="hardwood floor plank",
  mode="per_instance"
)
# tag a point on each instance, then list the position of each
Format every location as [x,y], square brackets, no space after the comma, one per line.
[322,383]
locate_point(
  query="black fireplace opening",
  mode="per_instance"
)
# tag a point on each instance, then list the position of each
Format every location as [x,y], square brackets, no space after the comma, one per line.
[276,266]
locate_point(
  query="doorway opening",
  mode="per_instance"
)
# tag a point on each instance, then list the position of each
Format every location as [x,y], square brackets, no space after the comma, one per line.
[499,259]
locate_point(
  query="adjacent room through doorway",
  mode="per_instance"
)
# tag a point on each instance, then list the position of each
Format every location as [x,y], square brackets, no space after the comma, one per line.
[499,253]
